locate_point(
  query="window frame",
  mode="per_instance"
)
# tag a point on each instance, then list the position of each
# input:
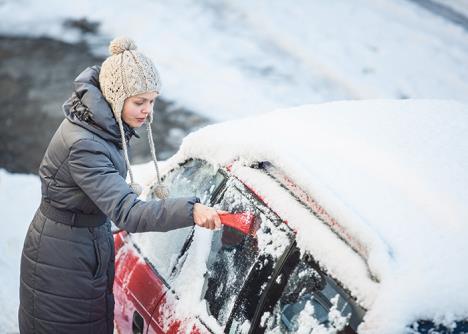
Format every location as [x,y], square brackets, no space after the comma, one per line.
[189,238]
[261,206]
[293,254]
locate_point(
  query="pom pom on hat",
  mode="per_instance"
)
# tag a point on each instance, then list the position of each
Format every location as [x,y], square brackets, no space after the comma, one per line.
[121,44]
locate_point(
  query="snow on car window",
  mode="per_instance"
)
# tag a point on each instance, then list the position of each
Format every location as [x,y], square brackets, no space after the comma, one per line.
[194,178]
[235,256]
[309,303]
[162,249]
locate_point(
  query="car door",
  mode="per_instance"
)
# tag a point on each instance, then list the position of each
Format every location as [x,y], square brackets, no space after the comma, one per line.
[259,281]
[240,265]
[145,261]
[236,269]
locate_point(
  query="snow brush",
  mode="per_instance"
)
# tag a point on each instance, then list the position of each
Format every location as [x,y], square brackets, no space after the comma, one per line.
[241,221]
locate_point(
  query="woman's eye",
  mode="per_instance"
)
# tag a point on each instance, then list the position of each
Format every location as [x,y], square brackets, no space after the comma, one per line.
[139,103]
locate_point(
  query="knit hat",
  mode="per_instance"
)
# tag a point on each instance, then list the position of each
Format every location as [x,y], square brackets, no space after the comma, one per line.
[127,72]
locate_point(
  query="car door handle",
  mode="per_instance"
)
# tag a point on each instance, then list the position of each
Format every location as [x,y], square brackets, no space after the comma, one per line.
[138,323]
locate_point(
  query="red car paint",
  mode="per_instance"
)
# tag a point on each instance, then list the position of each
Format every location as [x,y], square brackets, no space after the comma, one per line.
[320,212]
[136,288]
[165,316]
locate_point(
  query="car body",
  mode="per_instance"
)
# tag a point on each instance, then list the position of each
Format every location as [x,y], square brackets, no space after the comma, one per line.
[320,255]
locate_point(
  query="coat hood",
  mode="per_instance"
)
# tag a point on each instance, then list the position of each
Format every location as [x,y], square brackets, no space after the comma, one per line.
[88,108]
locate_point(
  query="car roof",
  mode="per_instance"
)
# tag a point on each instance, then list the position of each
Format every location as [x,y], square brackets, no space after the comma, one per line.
[391,172]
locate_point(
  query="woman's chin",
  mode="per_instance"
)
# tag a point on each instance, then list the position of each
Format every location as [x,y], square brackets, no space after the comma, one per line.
[137,123]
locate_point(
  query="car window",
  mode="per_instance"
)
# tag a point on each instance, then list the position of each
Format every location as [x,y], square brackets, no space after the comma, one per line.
[162,249]
[240,265]
[194,178]
[311,302]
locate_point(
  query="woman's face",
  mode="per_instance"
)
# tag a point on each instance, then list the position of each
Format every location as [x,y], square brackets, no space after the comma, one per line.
[137,108]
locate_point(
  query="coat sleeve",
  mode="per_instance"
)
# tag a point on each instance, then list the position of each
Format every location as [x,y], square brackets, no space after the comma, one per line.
[93,171]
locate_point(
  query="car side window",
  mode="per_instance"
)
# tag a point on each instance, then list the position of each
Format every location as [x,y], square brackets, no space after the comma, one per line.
[194,178]
[162,249]
[237,258]
[311,301]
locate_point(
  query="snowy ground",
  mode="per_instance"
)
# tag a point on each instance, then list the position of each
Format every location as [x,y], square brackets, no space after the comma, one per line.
[231,59]
[228,59]
[19,198]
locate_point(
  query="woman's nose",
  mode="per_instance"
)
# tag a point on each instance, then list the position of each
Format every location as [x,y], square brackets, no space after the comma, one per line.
[147,109]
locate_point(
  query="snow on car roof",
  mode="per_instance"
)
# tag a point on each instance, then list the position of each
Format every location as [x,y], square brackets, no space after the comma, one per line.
[392,172]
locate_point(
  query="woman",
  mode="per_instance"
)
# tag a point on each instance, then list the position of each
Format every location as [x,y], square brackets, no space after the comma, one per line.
[67,264]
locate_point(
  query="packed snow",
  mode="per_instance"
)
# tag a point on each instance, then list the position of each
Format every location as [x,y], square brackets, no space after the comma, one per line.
[392,172]
[309,323]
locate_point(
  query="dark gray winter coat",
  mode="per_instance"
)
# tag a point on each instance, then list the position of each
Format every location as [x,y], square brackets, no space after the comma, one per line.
[67,272]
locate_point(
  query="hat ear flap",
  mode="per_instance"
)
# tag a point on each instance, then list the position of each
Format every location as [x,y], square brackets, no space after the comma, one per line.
[117,109]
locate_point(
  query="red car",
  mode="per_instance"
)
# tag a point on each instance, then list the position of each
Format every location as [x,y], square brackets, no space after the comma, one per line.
[243,265]
[288,259]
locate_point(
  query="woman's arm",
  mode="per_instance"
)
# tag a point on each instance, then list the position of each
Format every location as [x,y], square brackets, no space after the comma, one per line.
[93,171]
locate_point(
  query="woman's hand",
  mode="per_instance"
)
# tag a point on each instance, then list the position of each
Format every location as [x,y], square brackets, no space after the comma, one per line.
[206,216]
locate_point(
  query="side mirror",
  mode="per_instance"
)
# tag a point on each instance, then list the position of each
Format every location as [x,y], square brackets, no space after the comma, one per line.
[241,221]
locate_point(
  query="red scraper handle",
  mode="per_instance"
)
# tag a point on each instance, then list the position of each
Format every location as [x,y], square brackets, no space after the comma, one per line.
[241,221]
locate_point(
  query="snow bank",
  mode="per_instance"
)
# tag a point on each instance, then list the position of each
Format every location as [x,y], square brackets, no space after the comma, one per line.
[19,198]
[393,172]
